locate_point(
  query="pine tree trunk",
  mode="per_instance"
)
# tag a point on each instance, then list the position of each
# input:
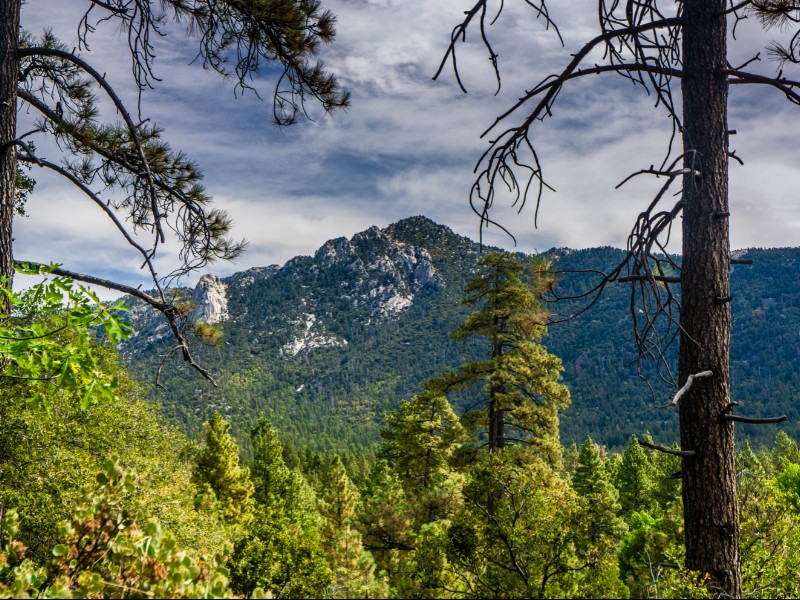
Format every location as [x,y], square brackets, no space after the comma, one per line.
[9,77]
[496,417]
[709,490]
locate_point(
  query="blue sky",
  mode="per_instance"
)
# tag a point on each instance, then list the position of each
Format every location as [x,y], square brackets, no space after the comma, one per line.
[408,144]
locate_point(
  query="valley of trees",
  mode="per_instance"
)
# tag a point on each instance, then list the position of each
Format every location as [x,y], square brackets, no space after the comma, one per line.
[100,498]
[471,492]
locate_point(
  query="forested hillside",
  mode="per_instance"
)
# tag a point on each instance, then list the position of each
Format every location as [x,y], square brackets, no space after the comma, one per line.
[326,345]
[99,498]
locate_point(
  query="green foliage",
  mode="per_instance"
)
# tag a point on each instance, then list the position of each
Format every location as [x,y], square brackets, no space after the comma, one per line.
[47,458]
[590,478]
[281,555]
[526,540]
[635,479]
[346,390]
[46,338]
[651,558]
[268,470]
[571,455]
[604,529]
[109,548]
[218,475]
[353,567]
[385,517]
[770,531]
[789,483]
[23,186]
[784,453]
[281,549]
[338,498]
[420,441]
[522,390]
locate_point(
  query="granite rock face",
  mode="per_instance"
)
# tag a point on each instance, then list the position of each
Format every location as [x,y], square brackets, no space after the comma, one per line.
[313,302]
[389,273]
[210,296]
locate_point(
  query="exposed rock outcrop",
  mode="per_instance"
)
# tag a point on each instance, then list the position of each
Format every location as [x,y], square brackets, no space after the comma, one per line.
[390,273]
[211,299]
[310,338]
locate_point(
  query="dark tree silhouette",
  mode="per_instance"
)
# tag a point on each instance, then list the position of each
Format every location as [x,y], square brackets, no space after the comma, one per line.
[663,47]
[148,190]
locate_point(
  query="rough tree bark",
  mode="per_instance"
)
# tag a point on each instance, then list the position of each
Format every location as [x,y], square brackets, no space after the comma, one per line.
[709,486]
[9,76]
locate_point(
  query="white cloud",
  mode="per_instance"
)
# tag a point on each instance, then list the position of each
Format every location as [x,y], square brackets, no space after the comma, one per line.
[408,144]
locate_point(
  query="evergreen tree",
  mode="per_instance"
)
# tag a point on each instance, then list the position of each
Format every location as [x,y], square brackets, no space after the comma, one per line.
[522,393]
[666,475]
[281,551]
[590,477]
[353,567]
[784,452]
[268,470]
[338,499]
[613,464]
[420,440]
[571,456]
[748,466]
[385,518]
[281,554]
[635,479]
[530,539]
[602,529]
[217,470]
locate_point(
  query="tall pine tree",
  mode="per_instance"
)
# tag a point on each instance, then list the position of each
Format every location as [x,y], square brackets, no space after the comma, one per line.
[217,470]
[522,394]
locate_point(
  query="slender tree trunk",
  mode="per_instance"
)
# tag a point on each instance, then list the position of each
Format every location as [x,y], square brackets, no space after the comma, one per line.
[9,78]
[496,422]
[709,490]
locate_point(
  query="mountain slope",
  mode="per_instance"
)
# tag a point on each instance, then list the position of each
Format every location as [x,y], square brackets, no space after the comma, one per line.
[325,345]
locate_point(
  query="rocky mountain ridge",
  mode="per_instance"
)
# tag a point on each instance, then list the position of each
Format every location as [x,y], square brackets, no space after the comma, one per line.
[325,344]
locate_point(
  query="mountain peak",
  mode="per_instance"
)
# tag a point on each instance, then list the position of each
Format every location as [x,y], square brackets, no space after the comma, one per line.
[418,225]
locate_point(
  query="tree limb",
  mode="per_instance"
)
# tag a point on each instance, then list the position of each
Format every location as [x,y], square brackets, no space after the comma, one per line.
[755,420]
[169,311]
[689,381]
[681,453]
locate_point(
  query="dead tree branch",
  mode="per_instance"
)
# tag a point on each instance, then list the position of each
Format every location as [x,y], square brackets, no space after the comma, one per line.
[689,382]
[665,450]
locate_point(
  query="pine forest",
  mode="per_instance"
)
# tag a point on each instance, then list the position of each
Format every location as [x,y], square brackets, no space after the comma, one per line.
[392,408]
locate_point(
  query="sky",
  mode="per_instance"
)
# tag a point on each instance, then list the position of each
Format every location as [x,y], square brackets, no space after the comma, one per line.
[408,144]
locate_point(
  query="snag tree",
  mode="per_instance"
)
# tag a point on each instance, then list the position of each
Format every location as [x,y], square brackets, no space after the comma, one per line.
[679,52]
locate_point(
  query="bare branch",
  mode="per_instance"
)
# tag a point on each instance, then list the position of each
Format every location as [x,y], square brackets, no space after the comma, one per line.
[686,386]
[755,420]
[460,33]
[787,86]
[103,206]
[665,450]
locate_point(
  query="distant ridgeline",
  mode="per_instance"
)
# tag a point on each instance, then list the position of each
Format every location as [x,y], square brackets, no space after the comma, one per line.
[325,345]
